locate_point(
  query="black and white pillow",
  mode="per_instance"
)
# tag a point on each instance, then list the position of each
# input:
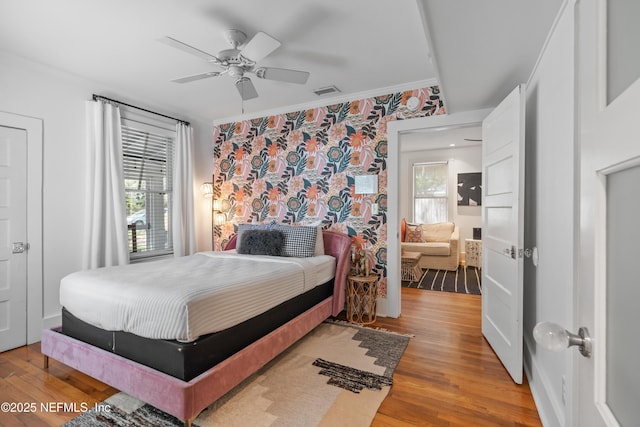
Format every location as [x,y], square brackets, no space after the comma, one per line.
[299,241]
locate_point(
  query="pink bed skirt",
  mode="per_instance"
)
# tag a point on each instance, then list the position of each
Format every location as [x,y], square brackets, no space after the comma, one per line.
[184,400]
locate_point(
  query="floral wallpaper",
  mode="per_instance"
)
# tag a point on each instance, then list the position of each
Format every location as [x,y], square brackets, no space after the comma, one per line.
[299,168]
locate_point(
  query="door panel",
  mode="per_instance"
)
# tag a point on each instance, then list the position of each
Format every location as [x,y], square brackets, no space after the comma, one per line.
[606,389]
[623,294]
[13,229]
[499,177]
[503,230]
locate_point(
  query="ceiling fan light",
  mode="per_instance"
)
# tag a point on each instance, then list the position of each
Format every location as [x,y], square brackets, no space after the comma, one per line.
[246,89]
[236,62]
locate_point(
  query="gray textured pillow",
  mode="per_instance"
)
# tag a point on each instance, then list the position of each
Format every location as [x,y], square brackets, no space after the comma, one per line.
[245,227]
[261,242]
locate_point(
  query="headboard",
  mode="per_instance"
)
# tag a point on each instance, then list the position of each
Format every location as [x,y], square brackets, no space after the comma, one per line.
[337,245]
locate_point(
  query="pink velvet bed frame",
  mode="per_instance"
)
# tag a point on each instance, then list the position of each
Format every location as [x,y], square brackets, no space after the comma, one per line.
[186,399]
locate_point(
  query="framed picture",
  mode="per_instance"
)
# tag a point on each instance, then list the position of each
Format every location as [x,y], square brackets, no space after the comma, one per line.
[366,184]
[470,189]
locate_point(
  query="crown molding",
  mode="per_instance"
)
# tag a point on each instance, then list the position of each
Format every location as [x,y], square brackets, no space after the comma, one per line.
[322,102]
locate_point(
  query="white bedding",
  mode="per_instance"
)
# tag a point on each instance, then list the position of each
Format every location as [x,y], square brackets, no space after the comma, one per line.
[184,298]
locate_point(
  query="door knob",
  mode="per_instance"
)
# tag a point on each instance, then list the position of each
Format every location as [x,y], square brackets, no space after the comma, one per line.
[554,337]
[19,247]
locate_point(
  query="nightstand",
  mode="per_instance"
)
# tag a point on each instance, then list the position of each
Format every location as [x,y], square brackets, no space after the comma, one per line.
[473,253]
[362,292]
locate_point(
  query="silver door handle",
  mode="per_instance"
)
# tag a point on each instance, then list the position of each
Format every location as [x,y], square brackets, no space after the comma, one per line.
[554,337]
[19,247]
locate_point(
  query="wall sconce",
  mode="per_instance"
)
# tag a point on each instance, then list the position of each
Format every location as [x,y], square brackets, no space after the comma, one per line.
[207,189]
[220,208]
[219,218]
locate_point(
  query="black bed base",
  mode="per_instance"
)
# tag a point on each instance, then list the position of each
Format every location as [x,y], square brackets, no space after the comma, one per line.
[188,360]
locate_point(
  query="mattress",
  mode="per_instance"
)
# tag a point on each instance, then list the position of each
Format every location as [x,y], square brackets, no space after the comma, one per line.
[187,297]
[188,360]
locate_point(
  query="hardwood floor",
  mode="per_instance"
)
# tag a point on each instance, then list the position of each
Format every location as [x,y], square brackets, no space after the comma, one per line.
[448,376]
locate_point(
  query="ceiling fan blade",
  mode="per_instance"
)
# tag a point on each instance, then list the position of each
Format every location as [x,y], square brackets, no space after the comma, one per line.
[261,45]
[195,77]
[188,49]
[246,89]
[282,74]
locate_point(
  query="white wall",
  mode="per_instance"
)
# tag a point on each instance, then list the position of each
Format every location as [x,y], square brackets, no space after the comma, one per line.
[461,160]
[57,98]
[549,218]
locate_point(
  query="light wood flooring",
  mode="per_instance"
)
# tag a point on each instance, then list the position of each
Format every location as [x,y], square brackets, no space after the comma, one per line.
[448,376]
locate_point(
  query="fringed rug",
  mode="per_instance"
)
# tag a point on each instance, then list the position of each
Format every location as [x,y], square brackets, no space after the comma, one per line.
[338,374]
[463,280]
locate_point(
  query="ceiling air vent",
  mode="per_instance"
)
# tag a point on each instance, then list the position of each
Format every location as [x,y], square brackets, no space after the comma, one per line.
[326,90]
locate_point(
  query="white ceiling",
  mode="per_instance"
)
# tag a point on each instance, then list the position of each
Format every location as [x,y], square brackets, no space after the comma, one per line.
[439,138]
[360,46]
[483,49]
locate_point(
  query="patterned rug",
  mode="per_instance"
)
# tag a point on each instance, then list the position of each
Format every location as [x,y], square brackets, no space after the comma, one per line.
[464,280]
[338,374]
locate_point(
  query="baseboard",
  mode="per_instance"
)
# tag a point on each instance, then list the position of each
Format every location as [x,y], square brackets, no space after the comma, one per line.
[52,321]
[381,307]
[551,414]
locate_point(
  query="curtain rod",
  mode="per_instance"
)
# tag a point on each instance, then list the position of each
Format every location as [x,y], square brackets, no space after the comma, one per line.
[104,98]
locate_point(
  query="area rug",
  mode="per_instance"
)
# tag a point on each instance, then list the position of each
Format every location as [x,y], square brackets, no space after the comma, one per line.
[338,374]
[463,280]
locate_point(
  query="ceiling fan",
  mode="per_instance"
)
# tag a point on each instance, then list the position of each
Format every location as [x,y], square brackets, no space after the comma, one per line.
[241,59]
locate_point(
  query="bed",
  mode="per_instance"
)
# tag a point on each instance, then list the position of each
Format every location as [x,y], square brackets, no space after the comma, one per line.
[179,379]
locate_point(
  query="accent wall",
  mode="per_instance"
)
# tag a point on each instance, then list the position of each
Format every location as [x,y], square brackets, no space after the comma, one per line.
[299,168]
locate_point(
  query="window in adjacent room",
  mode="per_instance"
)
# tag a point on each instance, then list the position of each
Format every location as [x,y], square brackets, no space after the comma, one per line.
[430,203]
[148,152]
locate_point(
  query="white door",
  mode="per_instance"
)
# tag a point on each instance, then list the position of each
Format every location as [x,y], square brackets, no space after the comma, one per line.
[13,232]
[503,230]
[607,384]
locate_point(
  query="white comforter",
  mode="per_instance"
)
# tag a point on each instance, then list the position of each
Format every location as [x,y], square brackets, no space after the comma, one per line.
[184,298]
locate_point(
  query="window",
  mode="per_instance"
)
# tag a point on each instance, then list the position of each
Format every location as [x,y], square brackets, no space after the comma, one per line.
[148,154]
[430,202]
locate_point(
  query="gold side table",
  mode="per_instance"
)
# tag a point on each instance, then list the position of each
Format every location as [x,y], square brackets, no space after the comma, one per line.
[362,292]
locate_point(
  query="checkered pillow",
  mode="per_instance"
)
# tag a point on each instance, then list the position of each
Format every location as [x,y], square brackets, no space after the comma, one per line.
[299,241]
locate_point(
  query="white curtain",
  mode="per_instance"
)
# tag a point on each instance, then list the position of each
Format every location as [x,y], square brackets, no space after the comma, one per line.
[182,212]
[106,242]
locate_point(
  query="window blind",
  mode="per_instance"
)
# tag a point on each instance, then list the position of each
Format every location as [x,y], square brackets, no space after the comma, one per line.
[147,160]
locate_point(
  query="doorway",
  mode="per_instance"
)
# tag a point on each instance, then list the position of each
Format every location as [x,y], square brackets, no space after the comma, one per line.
[432,163]
[396,130]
